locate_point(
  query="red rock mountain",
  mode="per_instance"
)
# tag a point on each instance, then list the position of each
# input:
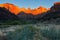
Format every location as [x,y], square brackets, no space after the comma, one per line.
[56,7]
[12,8]
[15,9]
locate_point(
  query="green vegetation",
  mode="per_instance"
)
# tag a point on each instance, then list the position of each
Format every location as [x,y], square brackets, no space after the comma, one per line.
[17,22]
[25,33]
[33,32]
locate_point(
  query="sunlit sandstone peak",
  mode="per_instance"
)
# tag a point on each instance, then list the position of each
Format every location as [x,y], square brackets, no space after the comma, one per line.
[15,9]
[39,10]
[29,10]
[12,8]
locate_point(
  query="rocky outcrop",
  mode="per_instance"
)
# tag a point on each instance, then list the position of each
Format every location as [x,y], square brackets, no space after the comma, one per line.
[55,7]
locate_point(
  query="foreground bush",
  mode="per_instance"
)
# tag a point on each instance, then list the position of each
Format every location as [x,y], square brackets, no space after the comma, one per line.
[35,32]
[25,33]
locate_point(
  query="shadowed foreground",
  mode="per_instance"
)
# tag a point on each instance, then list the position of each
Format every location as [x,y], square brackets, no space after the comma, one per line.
[30,32]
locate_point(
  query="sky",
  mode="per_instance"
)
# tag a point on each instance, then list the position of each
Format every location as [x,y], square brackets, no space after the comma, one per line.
[30,3]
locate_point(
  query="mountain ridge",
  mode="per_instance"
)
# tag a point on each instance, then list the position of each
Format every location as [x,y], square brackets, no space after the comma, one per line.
[15,9]
[35,15]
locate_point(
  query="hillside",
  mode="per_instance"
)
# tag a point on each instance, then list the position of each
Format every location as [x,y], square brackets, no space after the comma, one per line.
[6,16]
